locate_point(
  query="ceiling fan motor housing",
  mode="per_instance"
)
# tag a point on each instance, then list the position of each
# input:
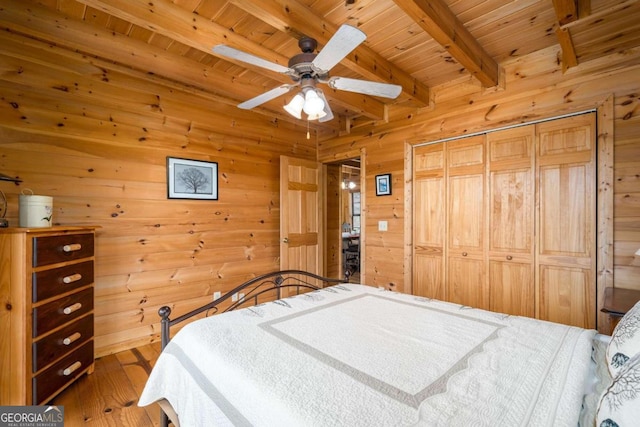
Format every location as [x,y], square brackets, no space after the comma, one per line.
[302,62]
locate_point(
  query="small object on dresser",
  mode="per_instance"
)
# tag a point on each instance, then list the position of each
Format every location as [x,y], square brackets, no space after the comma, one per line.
[35,211]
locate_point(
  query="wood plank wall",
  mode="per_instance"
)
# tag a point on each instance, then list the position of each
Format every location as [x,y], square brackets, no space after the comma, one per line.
[536,88]
[96,136]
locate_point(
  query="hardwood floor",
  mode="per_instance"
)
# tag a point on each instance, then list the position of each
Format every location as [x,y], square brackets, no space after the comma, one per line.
[109,396]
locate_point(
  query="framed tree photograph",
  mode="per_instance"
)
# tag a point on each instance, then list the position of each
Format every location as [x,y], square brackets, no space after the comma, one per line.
[383,184]
[192,179]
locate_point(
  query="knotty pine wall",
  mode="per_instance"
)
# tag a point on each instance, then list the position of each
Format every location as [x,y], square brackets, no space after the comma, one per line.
[96,137]
[535,88]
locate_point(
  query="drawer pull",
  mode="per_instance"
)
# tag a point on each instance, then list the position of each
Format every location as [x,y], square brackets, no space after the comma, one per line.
[464,254]
[71,369]
[73,307]
[71,338]
[72,247]
[509,257]
[72,278]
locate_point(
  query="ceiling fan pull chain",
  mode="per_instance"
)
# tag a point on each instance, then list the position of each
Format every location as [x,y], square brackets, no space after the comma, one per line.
[308,134]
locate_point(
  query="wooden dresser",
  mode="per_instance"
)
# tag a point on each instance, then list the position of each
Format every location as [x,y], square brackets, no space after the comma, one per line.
[46,312]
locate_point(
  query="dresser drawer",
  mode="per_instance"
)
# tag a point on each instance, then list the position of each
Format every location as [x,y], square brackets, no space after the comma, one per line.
[66,370]
[63,341]
[49,283]
[57,313]
[53,249]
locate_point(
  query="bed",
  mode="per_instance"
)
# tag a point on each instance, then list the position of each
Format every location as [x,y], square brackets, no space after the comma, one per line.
[328,353]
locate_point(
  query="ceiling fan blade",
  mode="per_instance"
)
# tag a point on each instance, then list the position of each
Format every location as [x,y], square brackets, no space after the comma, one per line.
[239,55]
[385,90]
[265,97]
[340,45]
[327,108]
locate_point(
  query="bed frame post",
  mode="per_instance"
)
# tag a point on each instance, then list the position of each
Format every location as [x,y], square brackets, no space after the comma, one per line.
[164,313]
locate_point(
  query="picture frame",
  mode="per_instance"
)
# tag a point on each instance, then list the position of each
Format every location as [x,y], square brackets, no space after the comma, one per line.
[383,184]
[192,179]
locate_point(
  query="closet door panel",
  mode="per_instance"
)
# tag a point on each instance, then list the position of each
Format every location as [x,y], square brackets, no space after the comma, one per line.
[466,226]
[566,221]
[567,295]
[511,287]
[511,214]
[429,201]
[429,276]
[466,281]
[511,221]
[429,222]
[466,213]
[565,207]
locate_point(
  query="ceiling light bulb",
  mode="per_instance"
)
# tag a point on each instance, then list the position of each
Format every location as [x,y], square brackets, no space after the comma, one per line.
[294,107]
[317,116]
[352,185]
[313,105]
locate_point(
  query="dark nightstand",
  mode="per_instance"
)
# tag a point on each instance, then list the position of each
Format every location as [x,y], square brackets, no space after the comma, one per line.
[617,301]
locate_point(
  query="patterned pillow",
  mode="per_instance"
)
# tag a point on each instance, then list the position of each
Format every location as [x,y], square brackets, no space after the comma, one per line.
[620,402]
[625,341]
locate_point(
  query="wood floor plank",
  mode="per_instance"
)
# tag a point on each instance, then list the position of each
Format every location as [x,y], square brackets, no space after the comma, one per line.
[137,364]
[73,413]
[109,396]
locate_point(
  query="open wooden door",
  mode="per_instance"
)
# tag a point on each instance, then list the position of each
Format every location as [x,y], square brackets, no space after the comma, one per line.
[301,215]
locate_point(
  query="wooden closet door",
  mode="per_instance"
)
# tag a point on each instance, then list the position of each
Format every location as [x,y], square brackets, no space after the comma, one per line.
[511,221]
[566,220]
[466,280]
[429,221]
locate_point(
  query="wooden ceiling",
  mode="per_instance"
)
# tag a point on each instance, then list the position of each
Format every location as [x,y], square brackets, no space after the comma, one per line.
[417,44]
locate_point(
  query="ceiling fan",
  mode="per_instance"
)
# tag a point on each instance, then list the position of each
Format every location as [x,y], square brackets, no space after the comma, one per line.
[307,69]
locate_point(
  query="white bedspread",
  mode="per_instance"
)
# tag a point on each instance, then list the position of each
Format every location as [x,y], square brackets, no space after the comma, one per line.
[353,355]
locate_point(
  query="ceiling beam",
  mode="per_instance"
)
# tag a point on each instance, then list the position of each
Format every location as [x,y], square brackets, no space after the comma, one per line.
[435,17]
[567,11]
[297,19]
[166,18]
[569,57]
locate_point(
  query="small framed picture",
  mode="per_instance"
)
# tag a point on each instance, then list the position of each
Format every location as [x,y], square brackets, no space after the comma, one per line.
[192,179]
[383,184]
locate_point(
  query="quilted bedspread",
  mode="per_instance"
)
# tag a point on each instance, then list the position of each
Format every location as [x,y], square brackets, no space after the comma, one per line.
[354,355]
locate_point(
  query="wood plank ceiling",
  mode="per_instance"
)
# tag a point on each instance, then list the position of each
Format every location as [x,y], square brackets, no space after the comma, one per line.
[417,44]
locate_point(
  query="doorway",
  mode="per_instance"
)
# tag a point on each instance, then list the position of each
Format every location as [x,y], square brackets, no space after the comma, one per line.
[344,219]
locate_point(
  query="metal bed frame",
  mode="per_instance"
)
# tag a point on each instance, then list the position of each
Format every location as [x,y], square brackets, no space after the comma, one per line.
[276,281]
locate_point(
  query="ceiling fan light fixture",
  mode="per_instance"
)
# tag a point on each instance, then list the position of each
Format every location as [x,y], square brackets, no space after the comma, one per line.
[294,107]
[313,105]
